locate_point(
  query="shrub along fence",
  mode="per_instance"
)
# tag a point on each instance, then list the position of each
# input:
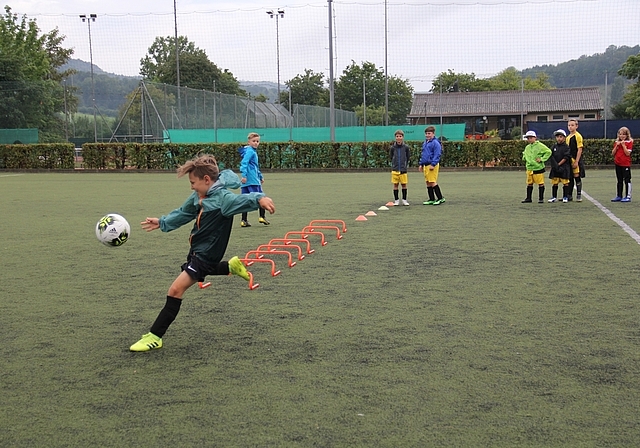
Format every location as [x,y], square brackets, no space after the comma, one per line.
[277,155]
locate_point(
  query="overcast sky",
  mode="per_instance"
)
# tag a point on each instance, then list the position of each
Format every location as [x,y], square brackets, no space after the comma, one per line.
[423,38]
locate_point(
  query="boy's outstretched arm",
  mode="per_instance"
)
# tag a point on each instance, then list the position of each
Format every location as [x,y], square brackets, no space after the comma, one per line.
[150,224]
[267,204]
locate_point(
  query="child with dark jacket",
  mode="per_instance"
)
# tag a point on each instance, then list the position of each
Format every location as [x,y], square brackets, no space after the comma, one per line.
[399,153]
[211,207]
[560,166]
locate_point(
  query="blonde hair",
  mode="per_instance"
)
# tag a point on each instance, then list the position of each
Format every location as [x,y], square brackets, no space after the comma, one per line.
[252,135]
[575,120]
[626,131]
[200,166]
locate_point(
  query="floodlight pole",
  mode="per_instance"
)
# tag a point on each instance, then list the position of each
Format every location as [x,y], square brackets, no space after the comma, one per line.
[332,108]
[279,13]
[386,76]
[175,28]
[92,18]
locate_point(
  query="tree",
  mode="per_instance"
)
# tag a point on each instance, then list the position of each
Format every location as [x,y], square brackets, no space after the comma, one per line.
[307,89]
[349,91]
[196,70]
[31,94]
[458,82]
[629,107]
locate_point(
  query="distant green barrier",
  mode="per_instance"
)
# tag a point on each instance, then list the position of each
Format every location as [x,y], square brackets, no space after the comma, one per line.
[451,132]
[18,136]
[278,155]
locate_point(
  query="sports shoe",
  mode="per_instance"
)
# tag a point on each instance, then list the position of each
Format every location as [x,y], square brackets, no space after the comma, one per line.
[579,198]
[524,201]
[244,223]
[439,201]
[565,200]
[396,202]
[616,199]
[263,221]
[148,342]
[627,199]
[405,202]
[429,202]
[236,267]
[540,201]
[552,200]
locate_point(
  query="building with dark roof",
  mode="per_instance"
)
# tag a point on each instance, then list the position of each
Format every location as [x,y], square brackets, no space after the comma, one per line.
[503,110]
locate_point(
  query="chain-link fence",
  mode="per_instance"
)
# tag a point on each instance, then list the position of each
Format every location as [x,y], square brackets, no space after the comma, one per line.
[154,108]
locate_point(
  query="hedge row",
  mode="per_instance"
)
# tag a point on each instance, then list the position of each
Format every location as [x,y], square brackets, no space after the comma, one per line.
[277,155]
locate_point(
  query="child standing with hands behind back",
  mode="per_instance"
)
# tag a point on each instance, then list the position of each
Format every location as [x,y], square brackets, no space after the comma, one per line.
[622,158]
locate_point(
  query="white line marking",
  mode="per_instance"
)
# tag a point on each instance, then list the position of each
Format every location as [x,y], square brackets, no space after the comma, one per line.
[632,233]
[10,175]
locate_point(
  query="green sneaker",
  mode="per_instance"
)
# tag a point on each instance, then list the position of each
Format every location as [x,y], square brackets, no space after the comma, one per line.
[236,267]
[148,342]
[439,201]
[428,202]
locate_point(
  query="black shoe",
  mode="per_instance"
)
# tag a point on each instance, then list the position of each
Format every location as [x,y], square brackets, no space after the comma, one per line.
[526,200]
[540,201]
[570,198]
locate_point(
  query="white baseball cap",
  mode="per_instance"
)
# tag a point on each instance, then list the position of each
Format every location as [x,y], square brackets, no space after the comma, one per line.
[531,134]
[560,132]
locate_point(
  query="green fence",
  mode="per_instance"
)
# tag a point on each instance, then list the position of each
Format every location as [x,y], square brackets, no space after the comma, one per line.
[24,136]
[451,132]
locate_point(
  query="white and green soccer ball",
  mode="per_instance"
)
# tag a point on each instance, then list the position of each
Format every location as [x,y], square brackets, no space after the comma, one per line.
[113,230]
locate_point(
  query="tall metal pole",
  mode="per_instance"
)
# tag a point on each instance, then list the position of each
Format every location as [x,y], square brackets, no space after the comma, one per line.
[386,76]
[175,25]
[92,18]
[278,14]
[364,109]
[606,102]
[332,110]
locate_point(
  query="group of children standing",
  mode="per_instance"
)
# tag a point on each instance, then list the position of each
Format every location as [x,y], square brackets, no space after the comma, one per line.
[429,164]
[567,165]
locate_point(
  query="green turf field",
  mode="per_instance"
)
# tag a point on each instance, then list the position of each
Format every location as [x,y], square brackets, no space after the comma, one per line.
[480,322]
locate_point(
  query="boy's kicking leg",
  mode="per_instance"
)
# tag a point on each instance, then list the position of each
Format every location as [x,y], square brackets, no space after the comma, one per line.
[153,339]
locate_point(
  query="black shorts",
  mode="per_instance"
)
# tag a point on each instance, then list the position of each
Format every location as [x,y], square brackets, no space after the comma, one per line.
[198,269]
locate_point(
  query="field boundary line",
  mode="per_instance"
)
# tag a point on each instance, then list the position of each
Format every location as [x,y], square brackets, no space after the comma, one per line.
[632,233]
[9,175]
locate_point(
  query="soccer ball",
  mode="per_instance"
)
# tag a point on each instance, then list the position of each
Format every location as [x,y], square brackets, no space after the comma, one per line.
[113,230]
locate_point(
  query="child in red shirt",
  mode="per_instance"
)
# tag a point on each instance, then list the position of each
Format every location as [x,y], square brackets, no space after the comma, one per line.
[622,158]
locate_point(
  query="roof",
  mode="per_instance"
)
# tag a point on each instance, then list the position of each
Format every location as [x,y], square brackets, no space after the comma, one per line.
[506,102]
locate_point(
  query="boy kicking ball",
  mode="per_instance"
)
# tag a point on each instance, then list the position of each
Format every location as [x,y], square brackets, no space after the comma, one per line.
[212,206]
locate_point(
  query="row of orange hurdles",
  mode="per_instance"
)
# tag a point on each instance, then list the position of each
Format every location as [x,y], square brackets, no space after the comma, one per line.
[289,245]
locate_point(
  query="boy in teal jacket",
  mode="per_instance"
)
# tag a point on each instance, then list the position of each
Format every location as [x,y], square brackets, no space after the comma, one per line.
[212,206]
[534,156]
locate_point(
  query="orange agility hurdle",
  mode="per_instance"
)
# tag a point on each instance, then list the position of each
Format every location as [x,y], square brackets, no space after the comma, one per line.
[305,234]
[250,261]
[312,228]
[262,253]
[273,247]
[288,241]
[325,221]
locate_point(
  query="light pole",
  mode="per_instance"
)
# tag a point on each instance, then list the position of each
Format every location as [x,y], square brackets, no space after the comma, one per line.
[279,13]
[92,18]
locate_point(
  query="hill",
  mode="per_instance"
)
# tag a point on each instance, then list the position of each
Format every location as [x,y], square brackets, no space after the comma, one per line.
[586,71]
[111,89]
